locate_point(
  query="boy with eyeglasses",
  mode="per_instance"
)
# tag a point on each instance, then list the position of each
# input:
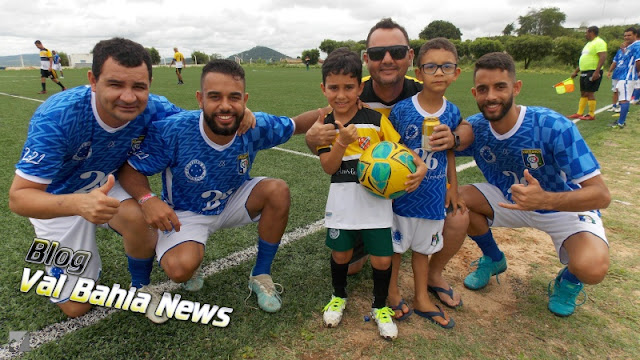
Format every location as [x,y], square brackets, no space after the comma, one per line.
[419,216]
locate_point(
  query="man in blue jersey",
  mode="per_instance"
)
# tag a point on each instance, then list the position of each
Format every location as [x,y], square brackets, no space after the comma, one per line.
[540,173]
[77,140]
[626,83]
[206,183]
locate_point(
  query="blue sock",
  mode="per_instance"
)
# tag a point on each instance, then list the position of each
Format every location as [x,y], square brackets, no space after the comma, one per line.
[140,270]
[488,245]
[624,110]
[266,253]
[566,275]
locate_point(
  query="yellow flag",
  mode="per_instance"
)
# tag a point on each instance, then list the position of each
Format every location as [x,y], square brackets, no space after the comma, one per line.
[565,86]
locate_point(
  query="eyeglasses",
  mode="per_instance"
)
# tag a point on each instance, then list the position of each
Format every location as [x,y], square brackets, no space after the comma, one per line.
[397,52]
[430,68]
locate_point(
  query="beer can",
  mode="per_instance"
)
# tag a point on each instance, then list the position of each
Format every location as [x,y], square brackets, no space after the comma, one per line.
[428,124]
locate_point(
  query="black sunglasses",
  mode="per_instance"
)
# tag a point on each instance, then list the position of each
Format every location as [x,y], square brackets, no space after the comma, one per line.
[397,52]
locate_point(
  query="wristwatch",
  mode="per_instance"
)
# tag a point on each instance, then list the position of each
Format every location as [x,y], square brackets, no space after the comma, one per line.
[456,141]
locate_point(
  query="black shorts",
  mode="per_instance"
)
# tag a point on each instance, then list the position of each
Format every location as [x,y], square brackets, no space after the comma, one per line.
[586,84]
[47,74]
[178,70]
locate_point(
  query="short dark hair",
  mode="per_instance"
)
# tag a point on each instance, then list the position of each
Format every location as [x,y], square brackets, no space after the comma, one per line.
[124,51]
[342,61]
[388,24]
[223,66]
[593,29]
[437,43]
[633,30]
[37,42]
[496,60]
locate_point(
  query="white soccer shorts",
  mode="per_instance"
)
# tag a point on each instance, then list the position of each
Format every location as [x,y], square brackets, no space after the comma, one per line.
[559,225]
[420,235]
[625,89]
[197,227]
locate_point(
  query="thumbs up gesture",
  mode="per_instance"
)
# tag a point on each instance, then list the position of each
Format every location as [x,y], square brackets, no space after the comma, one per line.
[528,196]
[320,134]
[96,206]
[346,135]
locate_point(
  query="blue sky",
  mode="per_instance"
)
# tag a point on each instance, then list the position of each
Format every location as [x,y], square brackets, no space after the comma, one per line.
[287,26]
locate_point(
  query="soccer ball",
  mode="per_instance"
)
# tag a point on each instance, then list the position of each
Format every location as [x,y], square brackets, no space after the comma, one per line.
[383,169]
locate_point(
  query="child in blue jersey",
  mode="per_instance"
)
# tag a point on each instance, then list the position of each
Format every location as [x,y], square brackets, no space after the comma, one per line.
[419,216]
[540,173]
[206,184]
[351,211]
[626,83]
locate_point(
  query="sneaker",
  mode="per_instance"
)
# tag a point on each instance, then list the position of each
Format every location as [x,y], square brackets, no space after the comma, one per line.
[612,108]
[562,299]
[634,102]
[618,126]
[61,77]
[384,319]
[42,92]
[617,109]
[587,117]
[575,116]
[332,313]
[264,287]
[196,282]
[486,269]
[153,305]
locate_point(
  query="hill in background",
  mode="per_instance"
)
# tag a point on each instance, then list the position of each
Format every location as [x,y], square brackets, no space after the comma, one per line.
[259,52]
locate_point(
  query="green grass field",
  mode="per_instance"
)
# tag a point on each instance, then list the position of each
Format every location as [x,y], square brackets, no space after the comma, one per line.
[606,327]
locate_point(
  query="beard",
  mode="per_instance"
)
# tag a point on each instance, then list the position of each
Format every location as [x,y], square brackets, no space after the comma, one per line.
[506,106]
[219,130]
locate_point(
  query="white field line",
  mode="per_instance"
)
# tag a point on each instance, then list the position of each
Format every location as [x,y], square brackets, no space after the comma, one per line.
[58,330]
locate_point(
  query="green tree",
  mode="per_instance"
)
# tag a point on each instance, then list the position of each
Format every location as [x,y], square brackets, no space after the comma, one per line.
[416,44]
[64,58]
[481,46]
[612,48]
[328,45]
[155,55]
[462,47]
[440,28]
[215,56]
[509,29]
[567,50]
[546,21]
[529,47]
[200,57]
[313,54]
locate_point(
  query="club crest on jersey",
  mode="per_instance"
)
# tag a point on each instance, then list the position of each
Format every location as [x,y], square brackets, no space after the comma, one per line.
[243,164]
[487,154]
[135,143]
[334,233]
[435,239]
[396,237]
[195,170]
[532,158]
[364,142]
[83,152]
[411,132]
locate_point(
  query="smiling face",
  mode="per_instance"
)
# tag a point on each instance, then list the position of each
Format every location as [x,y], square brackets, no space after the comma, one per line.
[495,91]
[121,92]
[388,71]
[222,100]
[342,93]
[439,81]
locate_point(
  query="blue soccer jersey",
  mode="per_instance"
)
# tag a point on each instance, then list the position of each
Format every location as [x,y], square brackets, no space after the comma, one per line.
[197,174]
[72,150]
[426,202]
[619,72]
[628,61]
[542,141]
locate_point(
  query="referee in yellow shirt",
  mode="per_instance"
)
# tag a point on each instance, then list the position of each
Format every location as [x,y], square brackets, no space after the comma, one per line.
[590,66]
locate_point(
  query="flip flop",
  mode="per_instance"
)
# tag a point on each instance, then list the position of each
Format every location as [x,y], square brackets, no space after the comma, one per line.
[429,315]
[435,290]
[399,308]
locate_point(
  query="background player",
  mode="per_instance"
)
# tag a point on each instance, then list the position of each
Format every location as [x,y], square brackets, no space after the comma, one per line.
[540,174]
[178,60]
[57,65]
[46,65]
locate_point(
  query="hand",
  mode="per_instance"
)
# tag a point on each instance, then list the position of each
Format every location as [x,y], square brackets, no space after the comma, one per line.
[248,122]
[442,138]
[609,74]
[320,134]
[453,198]
[414,180]
[574,74]
[158,214]
[96,206]
[527,197]
[595,76]
[347,135]
[361,104]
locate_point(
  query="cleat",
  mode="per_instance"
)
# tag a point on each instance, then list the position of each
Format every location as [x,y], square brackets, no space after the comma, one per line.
[562,298]
[332,312]
[153,305]
[575,116]
[618,126]
[265,289]
[42,92]
[587,117]
[196,282]
[384,318]
[486,269]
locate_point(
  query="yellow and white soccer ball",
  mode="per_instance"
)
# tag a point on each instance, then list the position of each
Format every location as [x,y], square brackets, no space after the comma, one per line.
[383,169]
